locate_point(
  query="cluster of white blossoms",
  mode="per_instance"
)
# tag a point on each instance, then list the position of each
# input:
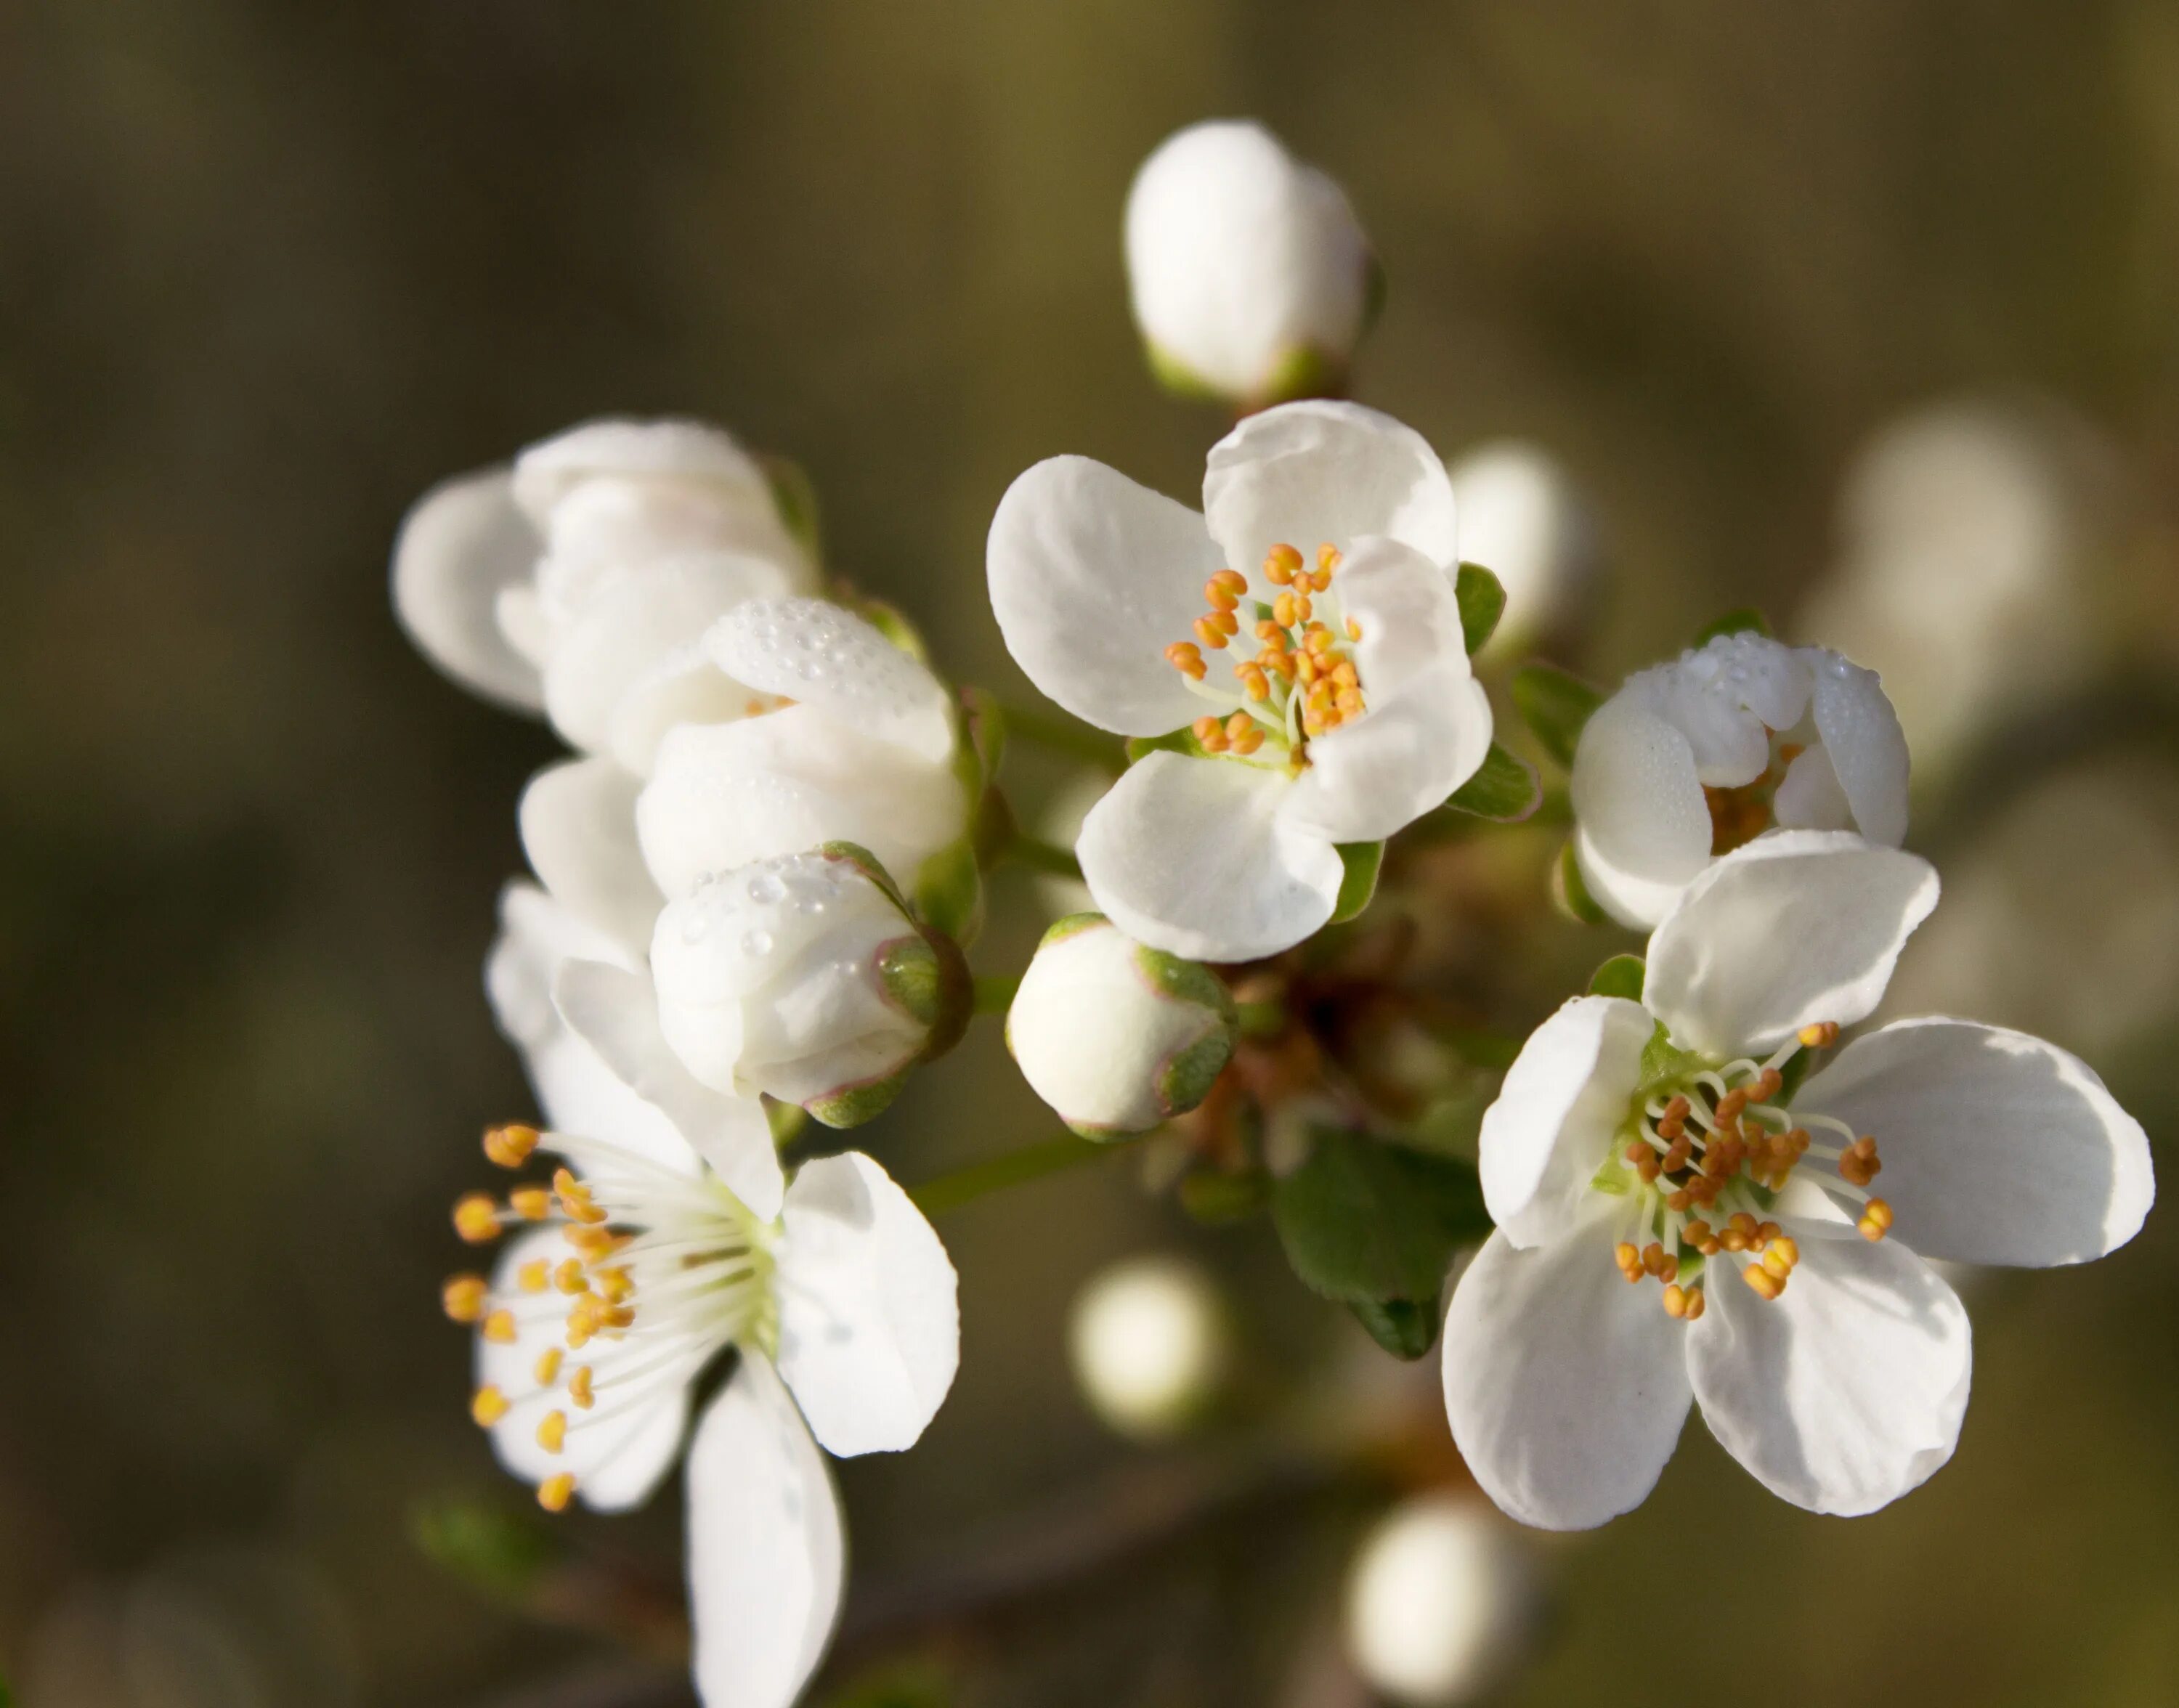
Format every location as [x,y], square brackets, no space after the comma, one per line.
[757,883]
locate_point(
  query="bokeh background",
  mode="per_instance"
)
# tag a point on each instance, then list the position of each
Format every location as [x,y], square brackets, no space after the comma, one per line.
[266,271]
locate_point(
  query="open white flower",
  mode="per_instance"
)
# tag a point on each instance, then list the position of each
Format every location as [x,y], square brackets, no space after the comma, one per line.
[1249,274]
[631,1274]
[1521,519]
[1658,1139]
[1327,683]
[1691,759]
[576,581]
[862,749]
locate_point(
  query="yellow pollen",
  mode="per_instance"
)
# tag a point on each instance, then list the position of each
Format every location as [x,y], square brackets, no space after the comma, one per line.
[579,1388]
[554,1493]
[510,1146]
[1875,1219]
[531,1203]
[593,1242]
[1327,559]
[499,1328]
[476,1218]
[1353,630]
[548,1366]
[571,1278]
[1186,658]
[488,1407]
[1210,633]
[465,1298]
[552,1431]
[534,1276]
[1763,1281]
[1283,610]
[1822,1035]
[1696,1305]
[1676,1301]
[1280,564]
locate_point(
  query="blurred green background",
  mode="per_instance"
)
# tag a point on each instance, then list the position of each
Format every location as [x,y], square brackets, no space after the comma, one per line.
[267,271]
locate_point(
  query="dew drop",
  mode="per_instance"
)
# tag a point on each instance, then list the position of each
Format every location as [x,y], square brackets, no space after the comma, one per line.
[756,943]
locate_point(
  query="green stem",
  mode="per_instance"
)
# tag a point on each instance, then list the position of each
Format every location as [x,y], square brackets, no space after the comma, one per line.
[996,994]
[1039,856]
[949,1191]
[1063,735]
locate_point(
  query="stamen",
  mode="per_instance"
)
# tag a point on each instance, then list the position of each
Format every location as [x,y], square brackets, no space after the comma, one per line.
[554,1493]
[552,1431]
[1279,564]
[465,1298]
[488,1407]
[476,1218]
[1876,1220]
[548,1366]
[509,1145]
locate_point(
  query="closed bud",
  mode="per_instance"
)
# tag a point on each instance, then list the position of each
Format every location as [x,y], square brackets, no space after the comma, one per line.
[803,977]
[1150,1344]
[1441,1603]
[1115,1036]
[1522,519]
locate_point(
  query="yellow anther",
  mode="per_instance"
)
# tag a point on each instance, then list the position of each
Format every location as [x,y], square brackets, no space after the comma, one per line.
[1343,675]
[1875,1219]
[1304,608]
[1353,630]
[1777,1264]
[1785,1248]
[1319,641]
[1327,559]
[1249,740]
[1283,610]
[1629,1259]
[464,1297]
[552,1431]
[1696,1305]
[1763,1281]
[571,1277]
[616,1316]
[579,1388]
[1349,702]
[488,1406]
[1676,1301]
[510,1146]
[499,1328]
[1767,1084]
[1210,633]
[1253,682]
[1219,596]
[1184,657]
[531,1203]
[575,1202]
[1822,1035]
[554,1493]
[1279,564]
[476,1218]
[548,1366]
[592,1242]
[534,1276]
[612,1285]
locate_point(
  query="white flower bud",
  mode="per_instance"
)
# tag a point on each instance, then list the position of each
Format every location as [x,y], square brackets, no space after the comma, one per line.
[803,977]
[1116,1036]
[1440,1602]
[1250,275]
[1521,519]
[1150,1344]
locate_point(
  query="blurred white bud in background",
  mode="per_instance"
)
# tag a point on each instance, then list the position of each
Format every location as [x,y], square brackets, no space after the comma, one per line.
[1151,1345]
[1441,1601]
[1115,1036]
[1250,276]
[1521,519]
[1060,823]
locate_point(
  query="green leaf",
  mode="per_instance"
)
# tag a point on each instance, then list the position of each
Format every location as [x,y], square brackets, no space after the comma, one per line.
[1363,1222]
[1570,894]
[1405,1327]
[1745,620]
[1504,789]
[1554,705]
[1482,599]
[1363,862]
[493,1546]
[1620,976]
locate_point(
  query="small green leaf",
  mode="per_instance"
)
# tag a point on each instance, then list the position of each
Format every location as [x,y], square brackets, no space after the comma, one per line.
[1663,1063]
[1482,599]
[1363,862]
[1405,1327]
[1745,620]
[1504,789]
[1620,976]
[1554,705]
[1363,1221]
[1570,894]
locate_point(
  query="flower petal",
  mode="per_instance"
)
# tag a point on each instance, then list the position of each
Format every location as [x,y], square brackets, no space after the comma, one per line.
[665,450]
[1092,578]
[1556,1114]
[821,654]
[1867,748]
[1193,856]
[1403,604]
[1306,473]
[1799,926]
[1378,774]
[684,687]
[1566,1386]
[1642,823]
[1846,1391]
[870,1328]
[617,1455]
[615,1013]
[767,1551]
[461,545]
[1808,796]
[1997,1146]
[578,822]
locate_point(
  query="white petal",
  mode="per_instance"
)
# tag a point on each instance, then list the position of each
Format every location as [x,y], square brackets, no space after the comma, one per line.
[578,822]
[723,795]
[663,450]
[684,687]
[1552,1126]
[766,1553]
[821,654]
[1566,1386]
[460,547]
[1845,1392]
[1092,578]
[1726,698]
[1997,1146]
[617,1454]
[1404,606]
[1797,927]
[1808,796]
[1644,825]
[1376,776]
[615,1013]
[1867,748]
[1307,474]
[1193,856]
[870,1329]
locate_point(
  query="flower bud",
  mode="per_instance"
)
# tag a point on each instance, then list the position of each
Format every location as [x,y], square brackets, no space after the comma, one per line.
[804,978]
[1440,1602]
[1150,1344]
[1250,276]
[1116,1036]
[1521,519]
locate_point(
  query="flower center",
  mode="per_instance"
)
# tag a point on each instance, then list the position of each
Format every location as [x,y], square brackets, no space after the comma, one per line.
[1301,680]
[1738,815]
[662,1270]
[1706,1149]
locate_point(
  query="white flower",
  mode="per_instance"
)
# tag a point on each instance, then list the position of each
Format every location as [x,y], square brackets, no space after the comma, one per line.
[1350,712]
[638,1272]
[1659,1138]
[1115,1036]
[1521,519]
[862,752]
[1690,759]
[1150,1344]
[803,977]
[1250,276]
[1441,1601]
[576,581]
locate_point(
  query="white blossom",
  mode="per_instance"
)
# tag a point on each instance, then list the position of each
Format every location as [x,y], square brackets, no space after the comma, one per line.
[1441,1601]
[1150,1344]
[1521,519]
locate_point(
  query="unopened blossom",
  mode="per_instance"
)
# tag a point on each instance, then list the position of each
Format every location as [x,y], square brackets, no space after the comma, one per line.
[1678,1224]
[1691,759]
[626,1275]
[801,977]
[1250,275]
[1521,519]
[1441,1602]
[862,748]
[1150,1344]
[577,580]
[1301,631]
[1116,1037]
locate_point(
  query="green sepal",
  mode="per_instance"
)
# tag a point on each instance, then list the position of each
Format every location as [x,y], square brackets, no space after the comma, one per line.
[986,721]
[1360,863]
[1620,976]
[1664,1065]
[1405,1327]
[1216,1199]
[1482,599]
[870,866]
[1301,372]
[794,496]
[1570,891]
[887,619]
[1188,1074]
[1504,789]
[927,977]
[949,891]
[1180,741]
[855,1105]
[1362,1221]
[1071,925]
[786,1121]
[1555,704]
[1176,378]
[1746,620]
